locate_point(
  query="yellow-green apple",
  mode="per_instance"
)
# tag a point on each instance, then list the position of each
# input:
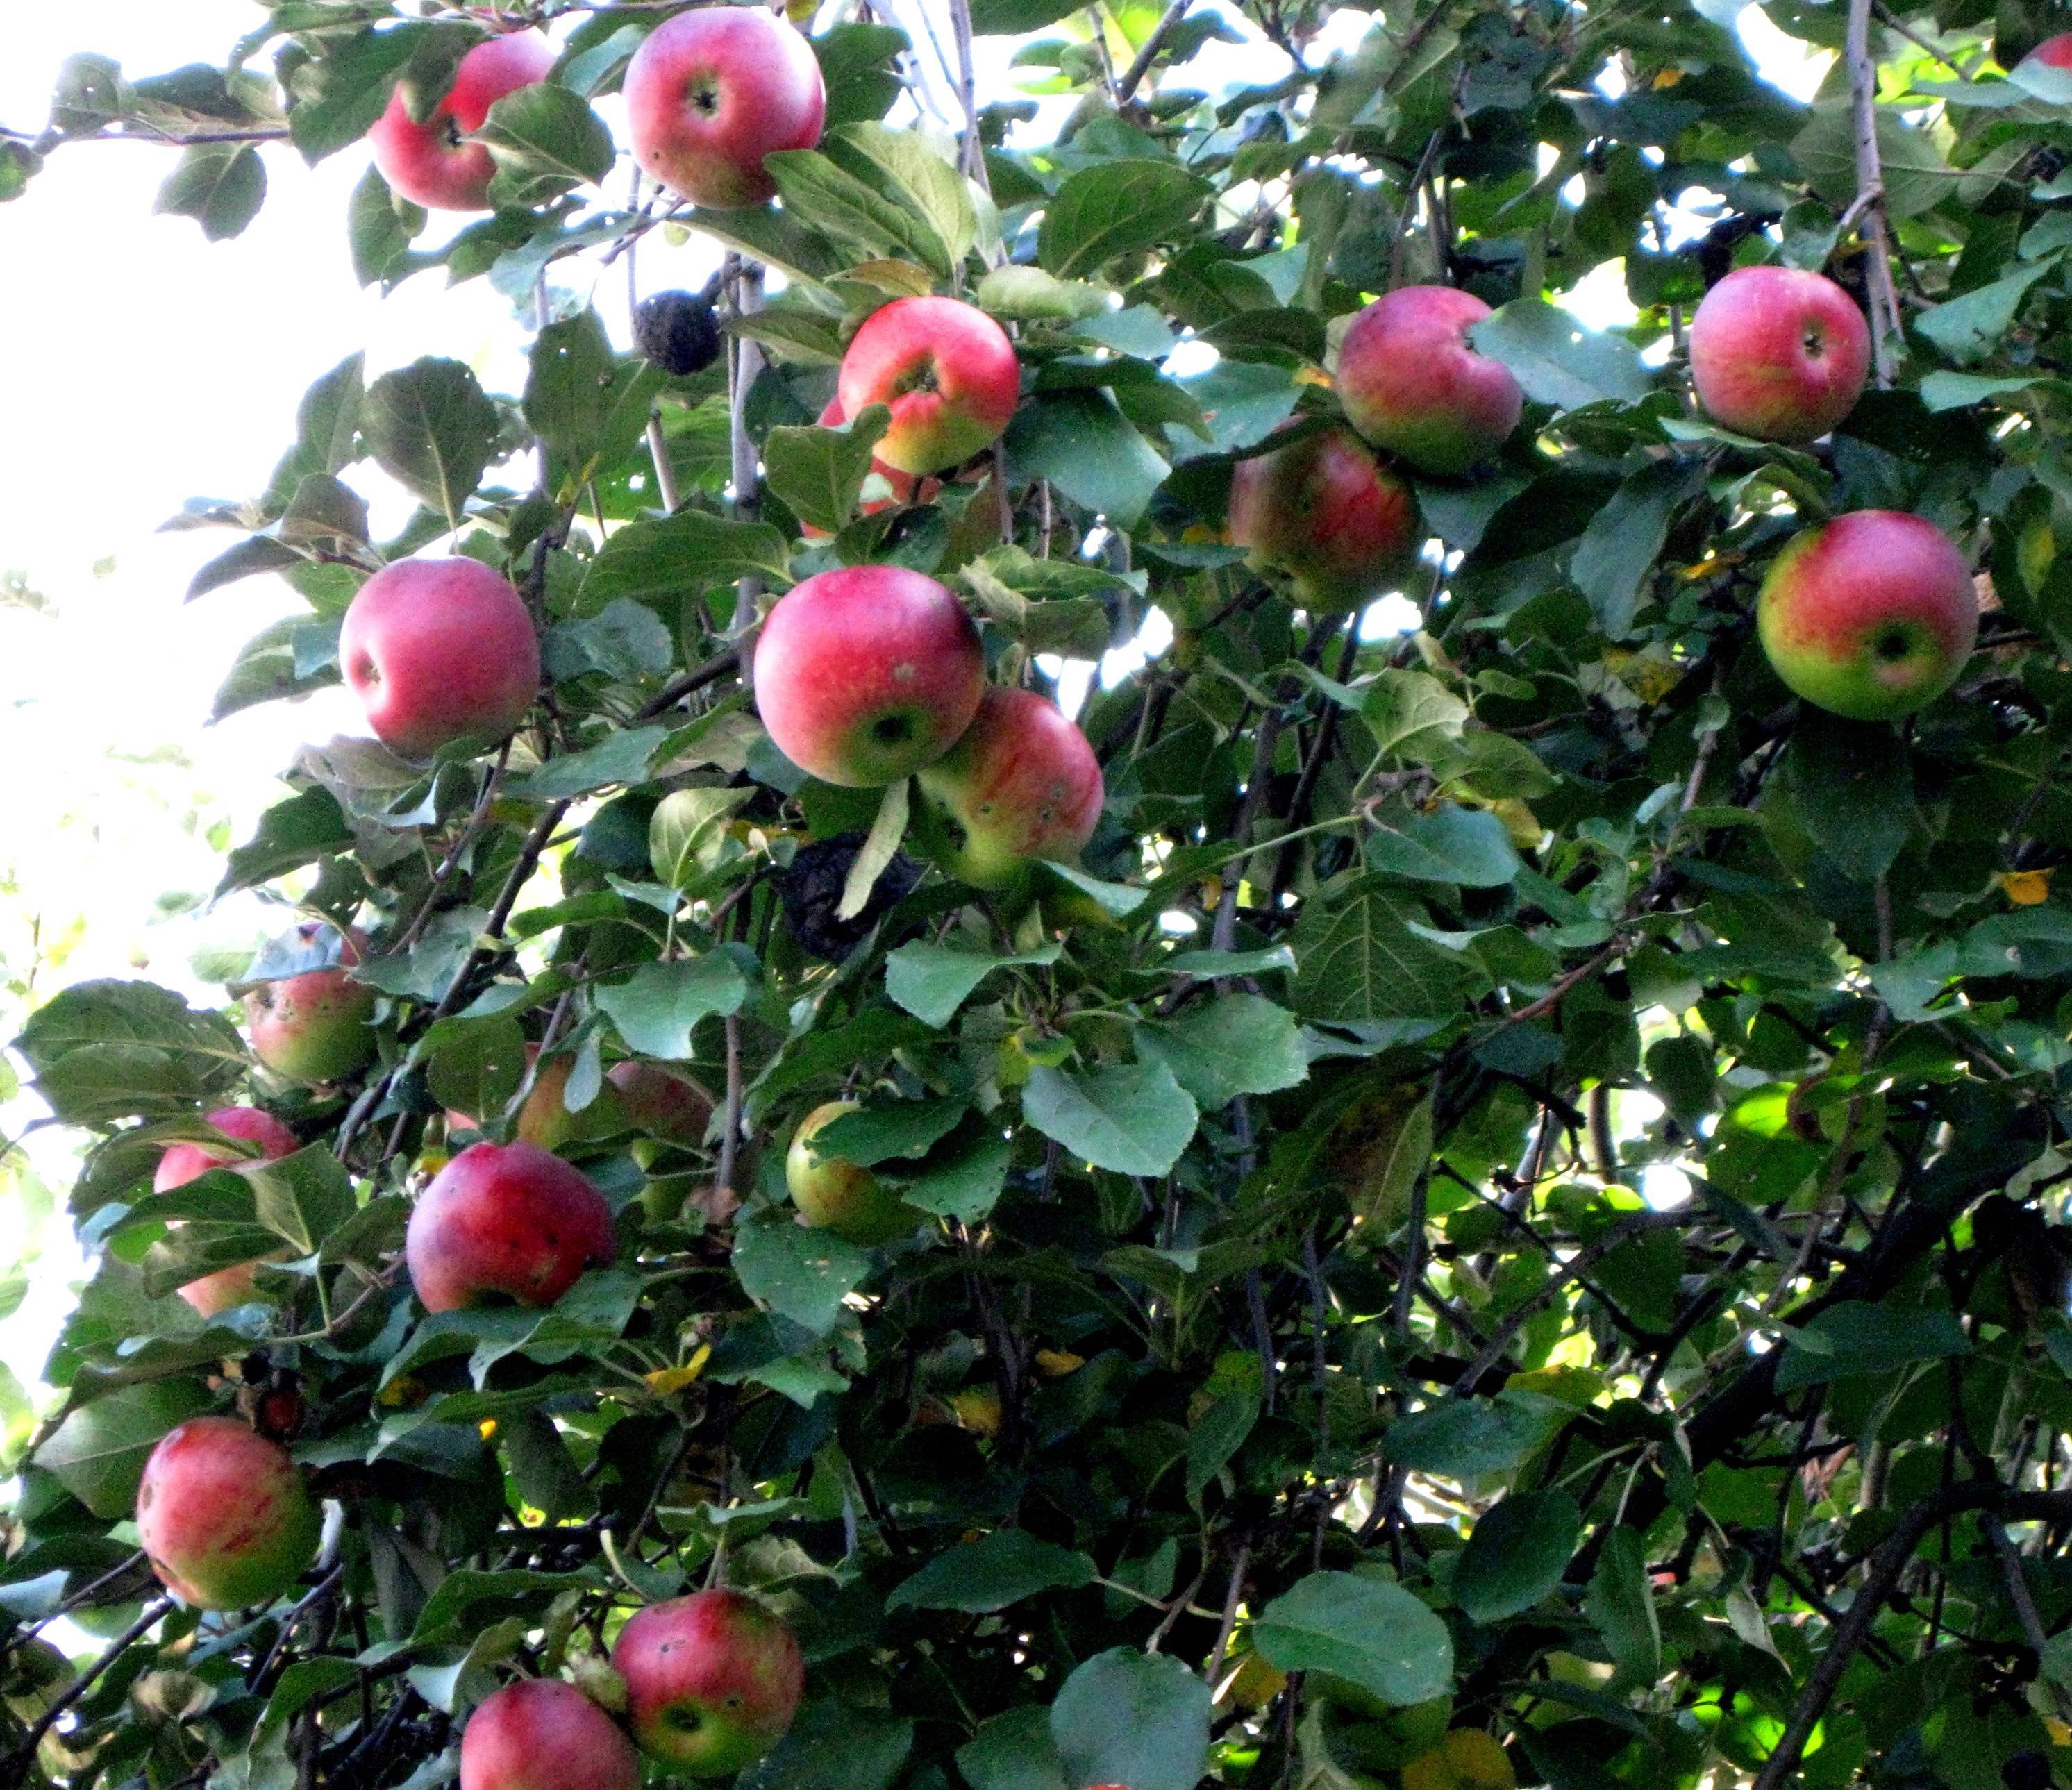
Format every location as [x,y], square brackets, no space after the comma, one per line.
[233,1286]
[866,673]
[507,1220]
[833,1194]
[1326,511]
[1411,382]
[1868,616]
[431,162]
[709,93]
[441,653]
[1021,784]
[1778,353]
[543,1733]
[946,370]
[223,1516]
[712,1680]
[315,1027]
[663,1102]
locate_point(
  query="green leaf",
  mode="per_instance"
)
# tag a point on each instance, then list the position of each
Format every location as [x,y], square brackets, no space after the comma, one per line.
[1359,960]
[1971,326]
[859,66]
[545,140]
[687,831]
[1916,176]
[688,552]
[835,1746]
[1013,1752]
[989,1574]
[1366,1630]
[1028,294]
[1012,17]
[104,1051]
[1126,1717]
[1621,1604]
[221,186]
[97,1453]
[1113,208]
[883,1130]
[379,229]
[1451,844]
[1472,1438]
[1217,1434]
[625,757]
[800,1273]
[1618,548]
[1412,716]
[1516,1555]
[932,981]
[657,1011]
[964,1178]
[1133,1119]
[1557,361]
[624,640]
[430,427]
[1085,446]
[1852,788]
[264,670]
[1857,1337]
[1218,1049]
[902,164]
[818,471]
[875,215]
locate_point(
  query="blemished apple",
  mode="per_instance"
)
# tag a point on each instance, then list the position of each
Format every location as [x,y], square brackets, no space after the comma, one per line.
[663,1102]
[441,653]
[1869,616]
[1412,383]
[832,1194]
[432,164]
[543,1733]
[709,93]
[712,1680]
[1778,353]
[223,1516]
[235,1285]
[947,372]
[866,673]
[1326,511]
[315,1027]
[1021,785]
[505,1219]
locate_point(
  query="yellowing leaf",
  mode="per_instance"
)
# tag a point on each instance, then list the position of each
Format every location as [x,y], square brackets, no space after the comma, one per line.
[667,1380]
[2026,888]
[1054,1364]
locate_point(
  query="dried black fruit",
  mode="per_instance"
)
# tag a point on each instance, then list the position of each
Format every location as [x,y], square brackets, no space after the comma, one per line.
[812,890]
[675,330]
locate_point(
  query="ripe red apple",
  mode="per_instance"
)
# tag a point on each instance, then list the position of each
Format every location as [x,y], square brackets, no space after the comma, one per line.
[1869,616]
[841,1197]
[430,164]
[315,1027]
[946,370]
[1021,784]
[440,652]
[542,1734]
[712,1681]
[223,1516]
[1410,382]
[1778,353]
[1330,514]
[709,93]
[866,673]
[2053,53]
[505,1218]
[233,1286]
[663,1102]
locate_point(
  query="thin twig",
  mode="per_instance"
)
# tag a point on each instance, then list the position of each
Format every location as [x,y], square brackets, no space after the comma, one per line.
[1133,76]
[1870,192]
[85,1681]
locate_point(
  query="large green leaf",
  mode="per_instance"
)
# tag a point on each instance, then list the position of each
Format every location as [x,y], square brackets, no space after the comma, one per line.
[1363,1629]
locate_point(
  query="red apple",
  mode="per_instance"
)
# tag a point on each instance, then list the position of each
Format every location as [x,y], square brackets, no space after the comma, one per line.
[710,93]
[505,1218]
[946,370]
[1021,784]
[1778,353]
[663,1102]
[223,1514]
[544,1119]
[440,652]
[712,1681]
[542,1734]
[866,673]
[1869,616]
[1410,382]
[1330,514]
[430,164]
[315,1027]
[834,1195]
[2053,53]
[182,1162]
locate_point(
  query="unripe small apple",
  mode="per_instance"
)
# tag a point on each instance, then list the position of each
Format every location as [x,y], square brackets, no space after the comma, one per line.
[1411,382]
[866,673]
[441,653]
[1021,785]
[1778,353]
[1330,514]
[1869,616]
[709,93]
[429,163]
[542,1734]
[713,1680]
[315,1027]
[224,1517]
[947,371]
[507,1220]
[841,1197]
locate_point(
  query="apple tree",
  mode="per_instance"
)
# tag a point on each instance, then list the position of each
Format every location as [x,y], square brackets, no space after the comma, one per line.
[1461,1187]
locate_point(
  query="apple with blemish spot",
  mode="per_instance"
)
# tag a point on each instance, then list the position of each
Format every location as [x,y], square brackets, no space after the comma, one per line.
[713,1680]
[1328,512]
[223,1516]
[1022,784]
[837,1195]
[316,1027]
